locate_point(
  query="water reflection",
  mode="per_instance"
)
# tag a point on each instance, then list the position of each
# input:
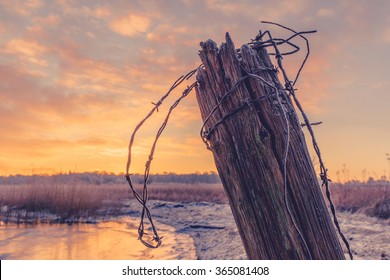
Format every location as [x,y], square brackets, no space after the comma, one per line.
[102,241]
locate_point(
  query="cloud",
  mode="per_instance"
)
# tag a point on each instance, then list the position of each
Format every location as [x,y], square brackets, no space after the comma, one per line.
[130,25]
[25,100]
[386,36]
[325,13]
[267,10]
[49,127]
[22,7]
[27,104]
[168,33]
[94,9]
[101,12]
[82,73]
[313,92]
[50,20]
[2,28]
[29,56]
[26,49]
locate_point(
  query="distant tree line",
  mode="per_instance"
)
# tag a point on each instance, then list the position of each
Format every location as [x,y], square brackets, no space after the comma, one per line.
[102,178]
[192,178]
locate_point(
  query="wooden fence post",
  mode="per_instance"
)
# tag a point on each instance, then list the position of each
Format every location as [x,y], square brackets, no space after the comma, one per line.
[279,215]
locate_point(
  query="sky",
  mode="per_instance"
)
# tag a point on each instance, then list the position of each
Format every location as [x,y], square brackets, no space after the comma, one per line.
[77,77]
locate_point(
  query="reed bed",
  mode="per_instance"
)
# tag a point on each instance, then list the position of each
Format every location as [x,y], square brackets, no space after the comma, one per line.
[77,200]
[373,200]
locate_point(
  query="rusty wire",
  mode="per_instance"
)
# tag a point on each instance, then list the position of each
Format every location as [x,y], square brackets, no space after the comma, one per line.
[248,103]
[289,87]
[142,199]
[323,170]
[205,134]
[279,56]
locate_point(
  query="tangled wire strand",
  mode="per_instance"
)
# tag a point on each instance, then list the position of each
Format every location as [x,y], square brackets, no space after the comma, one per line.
[256,44]
[289,86]
[142,199]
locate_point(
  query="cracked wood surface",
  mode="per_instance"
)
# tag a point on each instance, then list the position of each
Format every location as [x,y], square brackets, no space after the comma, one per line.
[248,150]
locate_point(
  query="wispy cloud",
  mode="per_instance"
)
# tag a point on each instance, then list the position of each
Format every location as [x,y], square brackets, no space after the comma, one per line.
[130,24]
[26,50]
[386,36]
[326,13]
[21,7]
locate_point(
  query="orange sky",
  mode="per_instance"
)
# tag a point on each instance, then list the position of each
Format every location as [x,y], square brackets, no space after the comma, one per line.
[78,76]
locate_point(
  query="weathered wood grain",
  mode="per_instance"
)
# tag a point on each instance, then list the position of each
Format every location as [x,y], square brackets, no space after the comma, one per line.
[248,150]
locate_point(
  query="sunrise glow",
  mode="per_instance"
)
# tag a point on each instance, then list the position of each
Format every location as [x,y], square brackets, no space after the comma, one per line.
[77,77]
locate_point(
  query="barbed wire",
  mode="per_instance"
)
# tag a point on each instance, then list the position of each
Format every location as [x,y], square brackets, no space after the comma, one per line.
[323,170]
[247,103]
[257,43]
[205,134]
[142,199]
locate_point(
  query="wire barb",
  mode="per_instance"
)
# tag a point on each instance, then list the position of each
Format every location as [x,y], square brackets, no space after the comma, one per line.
[289,87]
[156,240]
[288,91]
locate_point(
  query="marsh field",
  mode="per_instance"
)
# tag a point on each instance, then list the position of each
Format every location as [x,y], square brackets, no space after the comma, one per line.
[70,218]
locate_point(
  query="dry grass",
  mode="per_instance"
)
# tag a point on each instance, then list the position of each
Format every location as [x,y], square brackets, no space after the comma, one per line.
[373,200]
[65,201]
[80,200]
[188,193]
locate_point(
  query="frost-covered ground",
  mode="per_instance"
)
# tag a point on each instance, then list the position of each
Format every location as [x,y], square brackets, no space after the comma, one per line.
[215,235]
